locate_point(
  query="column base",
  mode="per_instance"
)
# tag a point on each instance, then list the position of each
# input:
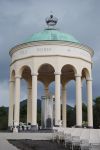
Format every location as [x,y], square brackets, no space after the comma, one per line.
[10,128]
[15,129]
[56,125]
[34,127]
[78,126]
[90,127]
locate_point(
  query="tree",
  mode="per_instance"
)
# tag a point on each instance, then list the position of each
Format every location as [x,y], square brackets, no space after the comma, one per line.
[3,118]
[96,114]
[84,112]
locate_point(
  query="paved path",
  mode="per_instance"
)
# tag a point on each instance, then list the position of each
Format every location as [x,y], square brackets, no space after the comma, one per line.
[92,135]
[5,145]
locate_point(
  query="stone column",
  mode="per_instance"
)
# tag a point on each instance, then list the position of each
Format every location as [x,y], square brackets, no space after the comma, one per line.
[57,99]
[46,90]
[90,107]
[29,105]
[64,105]
[34,99]
[78,101]
[17,103]
[11,102]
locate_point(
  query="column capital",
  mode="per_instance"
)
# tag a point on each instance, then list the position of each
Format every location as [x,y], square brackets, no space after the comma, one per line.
[64,85]
[63,89]
[78,75]
[89,79]
[57,73]
[46,88]
[29,88]
[34,74]
[17,76]
[11,81]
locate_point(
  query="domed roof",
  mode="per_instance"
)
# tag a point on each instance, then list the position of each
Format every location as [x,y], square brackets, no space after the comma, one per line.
[51,35]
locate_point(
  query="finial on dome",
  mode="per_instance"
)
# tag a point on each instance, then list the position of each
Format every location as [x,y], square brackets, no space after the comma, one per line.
[51,20]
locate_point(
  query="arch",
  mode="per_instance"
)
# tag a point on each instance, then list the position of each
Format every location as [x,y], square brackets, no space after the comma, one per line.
[70,66]
[68,73]
[46,73]
[25,69]
[45,64]
[25,73]
[85,73]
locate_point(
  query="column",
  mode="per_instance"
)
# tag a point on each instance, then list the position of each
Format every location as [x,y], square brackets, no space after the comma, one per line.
[45,106]
[34,99]
[17,102]
[78,101]
[57,99]
[89,107]
[64,105]
[11,102]
[46,90]
[29,104]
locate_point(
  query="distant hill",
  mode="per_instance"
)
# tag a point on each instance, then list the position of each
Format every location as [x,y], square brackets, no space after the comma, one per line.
[71,114]
[23,113]
[24,102]
[69,107]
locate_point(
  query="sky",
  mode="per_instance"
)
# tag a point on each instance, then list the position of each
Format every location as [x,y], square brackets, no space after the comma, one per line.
[21,18]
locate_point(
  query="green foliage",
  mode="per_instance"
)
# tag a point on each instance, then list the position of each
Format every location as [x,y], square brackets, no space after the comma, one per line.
[71,114]
[96,114]
[3,118]
[71,117]
[23,113]
[84,112]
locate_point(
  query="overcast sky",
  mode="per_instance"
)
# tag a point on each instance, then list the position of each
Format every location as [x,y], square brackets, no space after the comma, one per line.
[21,18]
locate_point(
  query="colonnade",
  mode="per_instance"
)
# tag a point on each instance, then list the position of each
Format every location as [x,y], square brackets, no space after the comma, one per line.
[32,101]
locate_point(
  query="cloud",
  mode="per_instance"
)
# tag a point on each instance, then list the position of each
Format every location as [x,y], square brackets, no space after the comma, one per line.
[21,18]
[4,93]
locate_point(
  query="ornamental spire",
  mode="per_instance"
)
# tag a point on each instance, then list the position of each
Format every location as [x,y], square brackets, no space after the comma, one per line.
[51,21]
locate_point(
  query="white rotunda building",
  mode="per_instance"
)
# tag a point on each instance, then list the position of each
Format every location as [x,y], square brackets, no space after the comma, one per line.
[50,56]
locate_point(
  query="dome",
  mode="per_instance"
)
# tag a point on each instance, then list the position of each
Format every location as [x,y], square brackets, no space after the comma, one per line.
[51,35]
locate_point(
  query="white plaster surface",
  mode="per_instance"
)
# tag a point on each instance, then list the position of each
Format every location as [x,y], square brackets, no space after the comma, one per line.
[51,50]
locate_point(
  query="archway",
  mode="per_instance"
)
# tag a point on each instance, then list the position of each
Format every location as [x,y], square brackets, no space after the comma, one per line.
[85,76]
[68,74]
[26,95]
[40,93]
[46,76]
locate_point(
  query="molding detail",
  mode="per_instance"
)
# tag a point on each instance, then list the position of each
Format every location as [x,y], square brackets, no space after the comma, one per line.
[78,75]
[57,73]
[18,76]
[34,74]
[42,43]
[89,79]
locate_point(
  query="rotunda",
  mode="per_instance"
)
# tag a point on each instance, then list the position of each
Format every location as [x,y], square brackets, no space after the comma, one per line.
[50,56]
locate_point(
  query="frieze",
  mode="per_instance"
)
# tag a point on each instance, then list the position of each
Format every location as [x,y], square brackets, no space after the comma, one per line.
[51,50]
[45,49]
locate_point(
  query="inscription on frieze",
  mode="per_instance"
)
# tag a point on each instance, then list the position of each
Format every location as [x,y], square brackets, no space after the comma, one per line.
[37,51]
[45,49]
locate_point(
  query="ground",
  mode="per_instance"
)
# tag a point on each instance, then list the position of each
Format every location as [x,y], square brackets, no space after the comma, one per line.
[36,145]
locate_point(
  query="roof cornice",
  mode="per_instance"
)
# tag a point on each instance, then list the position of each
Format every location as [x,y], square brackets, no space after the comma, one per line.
[41,43]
